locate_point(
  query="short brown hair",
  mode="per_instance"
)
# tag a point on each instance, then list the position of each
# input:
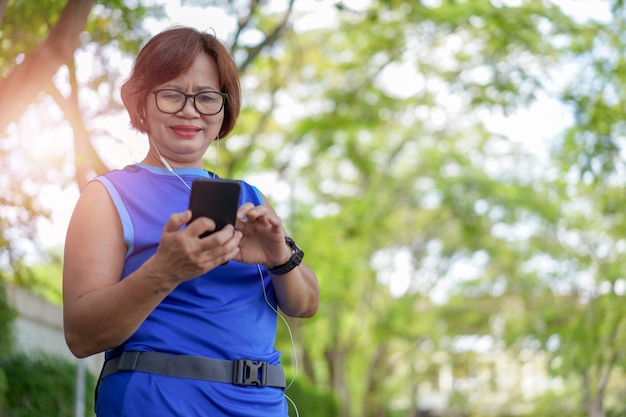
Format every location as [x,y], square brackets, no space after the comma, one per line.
[170,54]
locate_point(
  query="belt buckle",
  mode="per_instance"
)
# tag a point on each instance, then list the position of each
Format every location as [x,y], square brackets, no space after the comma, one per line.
[247,372]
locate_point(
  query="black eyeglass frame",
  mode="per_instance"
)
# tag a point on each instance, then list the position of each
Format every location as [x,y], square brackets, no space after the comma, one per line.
[187,97]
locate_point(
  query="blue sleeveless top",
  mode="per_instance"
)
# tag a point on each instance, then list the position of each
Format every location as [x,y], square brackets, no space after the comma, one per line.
[221,314]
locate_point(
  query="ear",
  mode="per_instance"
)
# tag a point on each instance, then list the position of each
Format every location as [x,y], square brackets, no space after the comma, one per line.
[141,116]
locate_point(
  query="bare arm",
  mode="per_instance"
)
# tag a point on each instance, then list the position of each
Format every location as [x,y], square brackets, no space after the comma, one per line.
[263,242]
[297,291]
[101,311]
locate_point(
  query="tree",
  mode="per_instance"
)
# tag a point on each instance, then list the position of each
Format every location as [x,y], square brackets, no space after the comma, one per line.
[40,41]
[386,176]
[33,72]
[39,68]
[371,173]
[445,197]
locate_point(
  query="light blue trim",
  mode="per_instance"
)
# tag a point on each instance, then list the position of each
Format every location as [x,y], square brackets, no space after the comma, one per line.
[258,194]
[127,226]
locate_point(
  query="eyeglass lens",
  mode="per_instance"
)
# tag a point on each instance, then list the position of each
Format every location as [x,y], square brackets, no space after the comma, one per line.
[173,101]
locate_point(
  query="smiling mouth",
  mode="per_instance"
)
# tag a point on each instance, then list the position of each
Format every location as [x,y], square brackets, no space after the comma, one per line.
[186,130]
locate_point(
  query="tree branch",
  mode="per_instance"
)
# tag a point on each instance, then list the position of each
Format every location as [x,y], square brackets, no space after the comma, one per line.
[243,23]
[3,8]
[28,79]
[269,39]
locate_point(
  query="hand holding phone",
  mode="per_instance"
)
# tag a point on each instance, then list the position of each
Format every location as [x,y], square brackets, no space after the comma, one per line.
[216,199]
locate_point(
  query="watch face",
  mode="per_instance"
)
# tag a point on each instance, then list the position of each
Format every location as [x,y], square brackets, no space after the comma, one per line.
[293,245]
[294,261]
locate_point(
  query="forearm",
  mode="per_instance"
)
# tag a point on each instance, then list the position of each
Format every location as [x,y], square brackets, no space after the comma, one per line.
[104,318]
[297,292]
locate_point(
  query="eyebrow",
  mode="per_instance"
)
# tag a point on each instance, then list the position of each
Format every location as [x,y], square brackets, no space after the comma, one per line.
[195,90]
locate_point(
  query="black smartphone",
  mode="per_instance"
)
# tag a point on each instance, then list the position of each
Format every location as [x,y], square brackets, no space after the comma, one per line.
[216,199]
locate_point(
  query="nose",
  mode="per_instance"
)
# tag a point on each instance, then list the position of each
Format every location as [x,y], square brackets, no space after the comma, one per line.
[190,106]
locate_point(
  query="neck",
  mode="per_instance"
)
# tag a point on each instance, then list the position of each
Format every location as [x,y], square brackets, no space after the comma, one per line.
[155,158]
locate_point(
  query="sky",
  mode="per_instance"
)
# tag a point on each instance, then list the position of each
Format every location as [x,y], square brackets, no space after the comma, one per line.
[532,127]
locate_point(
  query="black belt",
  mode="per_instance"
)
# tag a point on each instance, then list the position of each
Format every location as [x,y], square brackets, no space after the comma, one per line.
[239,372]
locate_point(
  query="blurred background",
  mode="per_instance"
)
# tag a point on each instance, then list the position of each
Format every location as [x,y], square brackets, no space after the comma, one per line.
[453,169]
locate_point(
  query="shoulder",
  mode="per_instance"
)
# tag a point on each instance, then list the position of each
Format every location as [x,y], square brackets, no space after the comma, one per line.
[121,174]
[251,194]
[94,202]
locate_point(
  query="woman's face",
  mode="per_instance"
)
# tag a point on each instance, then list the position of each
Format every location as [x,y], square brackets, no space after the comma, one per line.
[183,137]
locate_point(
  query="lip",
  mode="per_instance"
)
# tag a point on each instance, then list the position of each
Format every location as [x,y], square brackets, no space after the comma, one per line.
[185,131]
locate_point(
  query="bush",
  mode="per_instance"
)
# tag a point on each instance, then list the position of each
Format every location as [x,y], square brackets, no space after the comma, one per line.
[41,386]
[311,400]
[7,315]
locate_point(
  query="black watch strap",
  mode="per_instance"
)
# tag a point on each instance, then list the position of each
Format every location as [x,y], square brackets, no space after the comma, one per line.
[294,261]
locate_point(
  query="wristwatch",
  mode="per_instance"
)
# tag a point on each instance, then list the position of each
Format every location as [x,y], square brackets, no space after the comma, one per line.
[295,260]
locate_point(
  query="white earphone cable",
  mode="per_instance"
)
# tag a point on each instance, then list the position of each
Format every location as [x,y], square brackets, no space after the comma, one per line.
[168,167]
[293,346]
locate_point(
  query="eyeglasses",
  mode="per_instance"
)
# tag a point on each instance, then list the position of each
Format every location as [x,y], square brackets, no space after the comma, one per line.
[172,101]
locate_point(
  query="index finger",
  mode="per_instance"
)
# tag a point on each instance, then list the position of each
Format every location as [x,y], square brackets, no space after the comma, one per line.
[243,210]
[176,220]
[202,227]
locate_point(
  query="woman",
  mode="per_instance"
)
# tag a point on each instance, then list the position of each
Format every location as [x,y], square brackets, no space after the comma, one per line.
[188,324]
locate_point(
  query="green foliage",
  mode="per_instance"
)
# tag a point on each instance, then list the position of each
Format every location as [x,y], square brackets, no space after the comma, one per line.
[385,177]
[310,400]
[30,385]
[7,315]
[556,404]
[17,226]
[4,387]
[499,247]
[42,386]
[112,27]
[26,25]
[45,278]
[591,148]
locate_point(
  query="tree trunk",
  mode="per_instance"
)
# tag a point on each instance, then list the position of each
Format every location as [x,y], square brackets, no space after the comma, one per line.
[336,360]
[86,160]
[373,403]
[28,79]
[3,7]
[593,401]
[596,408]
